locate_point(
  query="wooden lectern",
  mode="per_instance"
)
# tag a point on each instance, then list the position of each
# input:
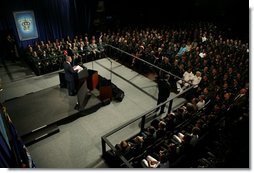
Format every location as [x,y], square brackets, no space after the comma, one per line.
[105,90]
[92,80]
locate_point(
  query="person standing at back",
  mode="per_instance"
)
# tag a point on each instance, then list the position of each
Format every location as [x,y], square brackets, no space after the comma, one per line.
[164,92]
[69,76]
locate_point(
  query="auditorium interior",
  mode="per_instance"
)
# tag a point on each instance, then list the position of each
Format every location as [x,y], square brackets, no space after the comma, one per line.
[124,53]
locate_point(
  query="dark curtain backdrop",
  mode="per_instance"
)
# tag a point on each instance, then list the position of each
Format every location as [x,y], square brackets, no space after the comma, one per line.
[225,13]
[59,18]
[54,18]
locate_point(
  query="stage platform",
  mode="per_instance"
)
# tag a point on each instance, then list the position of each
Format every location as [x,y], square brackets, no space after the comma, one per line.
[78,143]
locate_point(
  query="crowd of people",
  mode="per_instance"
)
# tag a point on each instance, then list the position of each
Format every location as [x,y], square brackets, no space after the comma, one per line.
[220,65]
[221,68]
[49,56]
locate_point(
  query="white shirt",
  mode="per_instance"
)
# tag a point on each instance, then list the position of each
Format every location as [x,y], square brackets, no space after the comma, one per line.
[202,55]
[196,81]
[188,76]
[188,48]
[200,104]
[204,39]
[150,158]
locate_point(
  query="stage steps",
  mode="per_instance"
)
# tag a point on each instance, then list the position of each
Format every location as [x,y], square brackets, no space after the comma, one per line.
[39,134]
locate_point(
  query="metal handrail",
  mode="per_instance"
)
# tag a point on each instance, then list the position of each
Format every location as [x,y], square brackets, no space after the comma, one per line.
[105,44]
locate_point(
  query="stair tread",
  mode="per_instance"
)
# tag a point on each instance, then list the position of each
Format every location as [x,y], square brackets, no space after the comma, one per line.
[40,134]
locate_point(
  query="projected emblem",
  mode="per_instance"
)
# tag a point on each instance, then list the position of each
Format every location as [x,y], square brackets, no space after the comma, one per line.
[26,26]
[26,23]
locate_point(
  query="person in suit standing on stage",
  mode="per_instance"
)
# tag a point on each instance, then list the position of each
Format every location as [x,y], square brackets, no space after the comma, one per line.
[164,92]
[69,76]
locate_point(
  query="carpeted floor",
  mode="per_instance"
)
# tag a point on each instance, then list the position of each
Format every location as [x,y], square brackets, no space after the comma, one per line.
[40,108]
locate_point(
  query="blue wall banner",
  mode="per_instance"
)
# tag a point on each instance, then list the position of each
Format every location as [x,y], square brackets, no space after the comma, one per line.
[26,26]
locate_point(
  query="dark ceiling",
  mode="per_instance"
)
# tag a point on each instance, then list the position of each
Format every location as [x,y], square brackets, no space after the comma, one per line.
[184,9]
[234,14]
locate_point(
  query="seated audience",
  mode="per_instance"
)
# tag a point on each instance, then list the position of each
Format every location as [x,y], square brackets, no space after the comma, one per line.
[150,162]
[187,79]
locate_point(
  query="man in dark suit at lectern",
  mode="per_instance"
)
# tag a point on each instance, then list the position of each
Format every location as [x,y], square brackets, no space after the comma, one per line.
[69,76]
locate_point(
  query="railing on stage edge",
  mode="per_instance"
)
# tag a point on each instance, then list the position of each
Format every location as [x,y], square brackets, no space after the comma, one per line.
[112,137]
